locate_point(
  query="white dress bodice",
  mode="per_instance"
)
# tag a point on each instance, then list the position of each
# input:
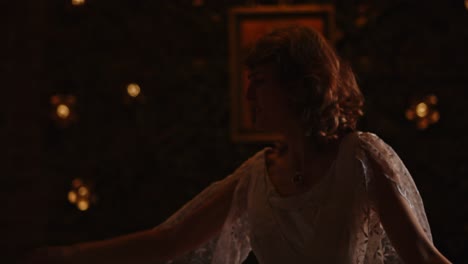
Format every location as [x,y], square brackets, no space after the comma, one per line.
[335,221]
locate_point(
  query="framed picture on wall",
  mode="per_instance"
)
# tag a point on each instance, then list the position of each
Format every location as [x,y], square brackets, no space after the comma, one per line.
[246,25]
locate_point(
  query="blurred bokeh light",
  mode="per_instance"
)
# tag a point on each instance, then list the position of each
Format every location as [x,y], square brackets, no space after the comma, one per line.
[133,89]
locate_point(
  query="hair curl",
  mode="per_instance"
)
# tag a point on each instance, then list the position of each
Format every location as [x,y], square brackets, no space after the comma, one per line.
[329,101]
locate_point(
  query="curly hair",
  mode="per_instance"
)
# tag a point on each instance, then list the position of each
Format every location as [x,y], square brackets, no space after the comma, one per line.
[329,102]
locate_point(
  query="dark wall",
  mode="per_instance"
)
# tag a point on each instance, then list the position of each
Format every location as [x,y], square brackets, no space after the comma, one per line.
[24,182]
[147,157]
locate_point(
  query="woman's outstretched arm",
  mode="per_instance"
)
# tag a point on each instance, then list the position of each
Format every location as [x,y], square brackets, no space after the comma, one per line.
[155,245]
[400,223]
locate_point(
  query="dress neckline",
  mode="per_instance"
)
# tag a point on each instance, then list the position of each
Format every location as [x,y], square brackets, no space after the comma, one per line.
[297,200]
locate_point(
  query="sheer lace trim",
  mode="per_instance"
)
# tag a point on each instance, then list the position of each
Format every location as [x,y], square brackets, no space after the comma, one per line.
[232,245]
[369,243]
[379,248]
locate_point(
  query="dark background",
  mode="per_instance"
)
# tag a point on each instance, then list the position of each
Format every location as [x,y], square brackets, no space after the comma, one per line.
[147,157]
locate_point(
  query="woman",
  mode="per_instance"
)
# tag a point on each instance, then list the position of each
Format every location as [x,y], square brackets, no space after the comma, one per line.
[325,194]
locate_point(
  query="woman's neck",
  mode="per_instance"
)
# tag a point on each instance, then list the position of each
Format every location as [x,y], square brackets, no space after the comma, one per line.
[301,151]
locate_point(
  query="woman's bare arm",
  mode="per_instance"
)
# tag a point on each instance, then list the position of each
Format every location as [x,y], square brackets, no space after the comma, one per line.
[400,223]
[159,244]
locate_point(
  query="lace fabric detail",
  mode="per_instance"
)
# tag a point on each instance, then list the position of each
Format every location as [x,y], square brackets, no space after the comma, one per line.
[379,248]
[365,240]
[232,244]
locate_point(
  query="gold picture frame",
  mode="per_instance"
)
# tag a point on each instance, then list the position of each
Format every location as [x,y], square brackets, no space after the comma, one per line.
[246,24]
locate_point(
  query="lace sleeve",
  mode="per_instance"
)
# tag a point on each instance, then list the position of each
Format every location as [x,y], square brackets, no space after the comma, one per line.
[232,244]
[371,147]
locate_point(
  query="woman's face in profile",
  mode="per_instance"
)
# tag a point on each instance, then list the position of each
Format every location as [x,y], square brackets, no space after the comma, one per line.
[268,101]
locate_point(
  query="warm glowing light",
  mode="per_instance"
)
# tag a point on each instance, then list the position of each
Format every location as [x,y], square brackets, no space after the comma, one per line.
[72,197]
[83,205]
[81,195]
[435,116]
[424,113]
[198,2]
[466,4]
[76,183]
[133,89]
[423,124]
[360,21]
[432,99]
[63,111]
[410,114]
[421,109]
[55,100]
[78,2]
[83,191]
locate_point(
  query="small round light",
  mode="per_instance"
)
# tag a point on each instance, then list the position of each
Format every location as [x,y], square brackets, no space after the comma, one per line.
[410,114]
[63,111]
[76,183]
[83,205]
[432,99]
[422,124]
[78,2]
[55,100]
[83,191]
[421,109]
[72,197]
[435,117]
[133,89]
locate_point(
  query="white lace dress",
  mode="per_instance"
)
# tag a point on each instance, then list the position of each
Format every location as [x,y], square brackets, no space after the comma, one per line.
[334,222]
